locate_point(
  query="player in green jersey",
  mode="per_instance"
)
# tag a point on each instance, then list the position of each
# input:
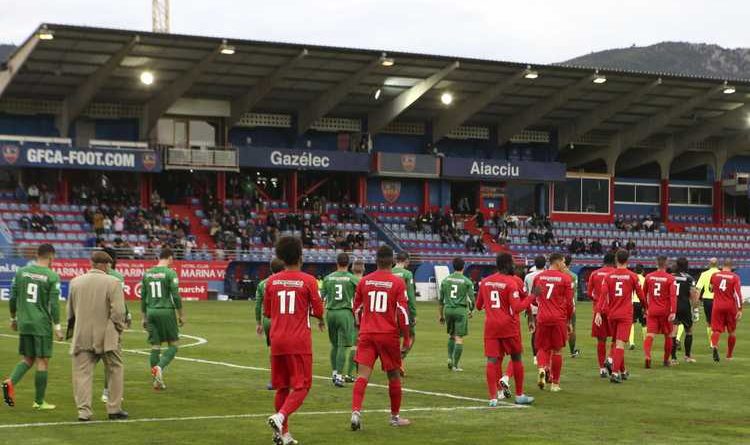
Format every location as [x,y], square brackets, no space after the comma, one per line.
[401,270]
[358,270]
[338,294]
[34,311]
[456,305]
[128,317]
[572,337]
[263,324]
[160,298]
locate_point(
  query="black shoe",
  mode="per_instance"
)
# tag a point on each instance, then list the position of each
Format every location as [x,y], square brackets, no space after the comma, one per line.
[615,378]
[625,375]
[603,373]
[84,419]
[348,379]
[716,354]
[575,354]
[608,364]
[678,345]
[122,415]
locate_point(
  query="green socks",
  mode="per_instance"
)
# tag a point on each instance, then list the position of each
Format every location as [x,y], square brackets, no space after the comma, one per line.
[458,349]
[334,357]
[351,364]
[451,348]
[572,343]
[18,372]
[168,356]
[341,356]
[153,359]
[40,383]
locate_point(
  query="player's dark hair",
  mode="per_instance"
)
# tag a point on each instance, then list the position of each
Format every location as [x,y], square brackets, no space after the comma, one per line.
[681,264]
[556,258]
[384,257]
[568,260]
[402,257]
[342,259]
[609,259]
[112,254]
[289,250]
[661,261]
[540,261]
[504,263]
[458,264]
[166,253]
[276,265]
[622,256]
[45,251]
[639,269]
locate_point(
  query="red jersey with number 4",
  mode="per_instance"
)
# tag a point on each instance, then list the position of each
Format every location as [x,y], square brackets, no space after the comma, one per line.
[553,291]
[500,296]
[380,304]
[289,300]
[595,281]
[727,290]
[661,293]
[615,297]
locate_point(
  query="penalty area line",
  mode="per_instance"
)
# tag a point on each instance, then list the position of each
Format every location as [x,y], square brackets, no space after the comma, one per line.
[245,416]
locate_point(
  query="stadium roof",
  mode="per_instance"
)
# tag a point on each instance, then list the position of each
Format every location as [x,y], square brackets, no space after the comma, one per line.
[651,112]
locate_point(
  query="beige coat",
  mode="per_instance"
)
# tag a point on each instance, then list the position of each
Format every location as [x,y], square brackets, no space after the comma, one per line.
[97,302]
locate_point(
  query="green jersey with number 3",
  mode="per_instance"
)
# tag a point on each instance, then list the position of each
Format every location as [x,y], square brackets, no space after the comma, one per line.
[34,298]
[457,290]
[408,278]
[160,289]
[338,290]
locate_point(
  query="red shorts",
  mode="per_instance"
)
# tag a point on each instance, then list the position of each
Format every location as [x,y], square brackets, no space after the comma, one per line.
[291,371]
[658,324]
[600,331]
[386,347]
[551,337]
[620,328]
[498,347]
[724,319]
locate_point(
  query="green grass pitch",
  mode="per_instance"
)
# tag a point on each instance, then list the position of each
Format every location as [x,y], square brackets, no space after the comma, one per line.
[223,399]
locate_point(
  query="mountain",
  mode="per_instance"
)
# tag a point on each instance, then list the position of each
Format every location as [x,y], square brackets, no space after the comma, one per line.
[697,59]
[5,51]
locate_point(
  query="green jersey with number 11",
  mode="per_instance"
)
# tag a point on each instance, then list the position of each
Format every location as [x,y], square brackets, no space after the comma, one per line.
[338,290]
[160,289]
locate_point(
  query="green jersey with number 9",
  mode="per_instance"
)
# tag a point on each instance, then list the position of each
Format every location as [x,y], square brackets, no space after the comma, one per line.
[338,290]
[34,297]
[160,289]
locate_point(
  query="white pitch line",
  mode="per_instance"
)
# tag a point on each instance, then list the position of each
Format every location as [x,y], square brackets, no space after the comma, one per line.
[242,416]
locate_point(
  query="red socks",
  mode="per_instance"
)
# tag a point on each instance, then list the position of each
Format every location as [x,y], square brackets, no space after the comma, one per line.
[647,344]
[281,395]
[394,391]
[492,375]
[556,368]
[542,359]
[517,368]
[601,352]
[715,335]
[358,393]
[619,359]
[510,370]
[731,342]
[667,348]
[293,401]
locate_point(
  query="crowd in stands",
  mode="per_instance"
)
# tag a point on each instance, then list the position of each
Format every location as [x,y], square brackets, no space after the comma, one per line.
[35,194]
[648,224]
[38,222]
[578,245]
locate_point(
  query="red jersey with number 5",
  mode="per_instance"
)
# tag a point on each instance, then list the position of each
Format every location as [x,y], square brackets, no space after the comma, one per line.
[615,297]
[500,296]
[661,292]
[727,290]
[289,300]
[553,290]
[380,304]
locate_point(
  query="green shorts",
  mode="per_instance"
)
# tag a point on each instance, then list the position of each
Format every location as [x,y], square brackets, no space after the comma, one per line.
[162,326]
[267,330]
[457,322]
[35,345]
[341,330]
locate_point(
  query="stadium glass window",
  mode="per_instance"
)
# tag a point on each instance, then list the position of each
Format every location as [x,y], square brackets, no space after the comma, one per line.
[520,199]
[691,196]
[701,196]
[631,193]
[648,194]
[679,195]
[582,195]
[625,193]
[568,196]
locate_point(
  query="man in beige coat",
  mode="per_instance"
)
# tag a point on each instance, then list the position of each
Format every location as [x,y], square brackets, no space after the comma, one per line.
[96,310]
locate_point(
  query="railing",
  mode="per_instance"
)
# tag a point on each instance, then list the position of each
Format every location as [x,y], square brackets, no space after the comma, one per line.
[205,158]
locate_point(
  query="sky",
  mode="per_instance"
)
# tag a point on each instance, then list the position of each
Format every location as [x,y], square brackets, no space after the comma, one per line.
[521,30]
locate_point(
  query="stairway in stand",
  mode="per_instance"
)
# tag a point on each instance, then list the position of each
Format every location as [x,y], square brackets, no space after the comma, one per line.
[201,233]
[470,225]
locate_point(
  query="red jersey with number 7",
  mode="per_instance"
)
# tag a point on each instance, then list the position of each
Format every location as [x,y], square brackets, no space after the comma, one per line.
[380,304]
[500,296]
[615,297]
[290,298]
[553,290]
[661,292]
[727,290]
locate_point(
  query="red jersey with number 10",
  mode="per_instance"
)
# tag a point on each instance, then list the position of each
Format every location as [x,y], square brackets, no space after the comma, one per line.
[500,296]
[727,290]
[553,290]
[615,297]
[289,300]
[380,304]
[661,292]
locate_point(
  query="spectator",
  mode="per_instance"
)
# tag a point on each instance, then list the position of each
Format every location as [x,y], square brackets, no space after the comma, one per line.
[479,218]
[33,194]
[595,247]
[616,244]
[119,224]
[630,247]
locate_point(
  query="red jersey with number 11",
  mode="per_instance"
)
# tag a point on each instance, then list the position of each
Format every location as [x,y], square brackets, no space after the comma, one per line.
[289,300]
[380,304]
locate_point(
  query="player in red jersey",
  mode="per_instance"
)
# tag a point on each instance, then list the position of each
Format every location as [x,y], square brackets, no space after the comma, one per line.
[499,296]
[504,383]
[661,294]
[553,291]
[290,297]
[727,308]
[381,311]
[601,332]
[615,302]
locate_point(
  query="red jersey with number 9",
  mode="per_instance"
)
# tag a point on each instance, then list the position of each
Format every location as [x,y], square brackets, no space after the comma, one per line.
[500,296]
[553,290]
[289,300]
[380,304]
[615,297]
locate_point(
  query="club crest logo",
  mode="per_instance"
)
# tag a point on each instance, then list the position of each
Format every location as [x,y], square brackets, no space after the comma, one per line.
[11,153]
[149,161]
[391,190]
[409,162]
